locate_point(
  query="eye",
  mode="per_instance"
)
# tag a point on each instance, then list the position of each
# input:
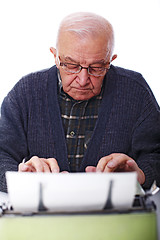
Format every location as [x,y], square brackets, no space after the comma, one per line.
[71,66]
[96,69]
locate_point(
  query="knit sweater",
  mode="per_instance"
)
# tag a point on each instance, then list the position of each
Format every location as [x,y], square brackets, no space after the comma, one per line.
[128,122]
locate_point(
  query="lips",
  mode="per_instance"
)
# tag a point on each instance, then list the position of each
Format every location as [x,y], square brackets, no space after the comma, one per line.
[82,89]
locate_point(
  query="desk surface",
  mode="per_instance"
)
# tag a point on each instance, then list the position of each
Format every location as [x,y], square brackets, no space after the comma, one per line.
[130,226]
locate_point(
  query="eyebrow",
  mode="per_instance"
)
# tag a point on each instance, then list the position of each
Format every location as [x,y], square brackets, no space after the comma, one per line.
[70,59]
[102,61]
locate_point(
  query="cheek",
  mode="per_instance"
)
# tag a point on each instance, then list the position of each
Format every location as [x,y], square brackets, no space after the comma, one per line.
[67,80]
[97,84]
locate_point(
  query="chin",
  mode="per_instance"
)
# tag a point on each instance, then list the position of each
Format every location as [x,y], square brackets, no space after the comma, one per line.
[82,97]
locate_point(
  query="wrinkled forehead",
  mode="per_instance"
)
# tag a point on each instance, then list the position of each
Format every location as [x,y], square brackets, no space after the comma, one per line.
[70,42]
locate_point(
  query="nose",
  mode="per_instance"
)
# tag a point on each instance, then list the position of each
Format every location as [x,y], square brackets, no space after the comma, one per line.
[83,77]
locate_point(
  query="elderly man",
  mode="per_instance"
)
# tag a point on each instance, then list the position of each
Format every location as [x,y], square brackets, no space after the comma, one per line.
[83,114]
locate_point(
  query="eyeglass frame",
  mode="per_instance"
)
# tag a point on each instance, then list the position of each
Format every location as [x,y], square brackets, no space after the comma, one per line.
[80,68]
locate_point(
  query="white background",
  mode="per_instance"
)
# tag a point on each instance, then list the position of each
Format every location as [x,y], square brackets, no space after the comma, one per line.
[28,29]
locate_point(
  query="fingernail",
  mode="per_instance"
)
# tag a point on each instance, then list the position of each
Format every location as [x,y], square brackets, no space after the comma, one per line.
[24,168]
[111,164]
[130,161]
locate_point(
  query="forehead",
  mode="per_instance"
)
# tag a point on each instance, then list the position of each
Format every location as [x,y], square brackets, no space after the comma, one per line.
[86,49]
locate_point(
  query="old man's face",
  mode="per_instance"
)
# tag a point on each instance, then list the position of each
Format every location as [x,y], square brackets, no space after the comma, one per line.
[87,52]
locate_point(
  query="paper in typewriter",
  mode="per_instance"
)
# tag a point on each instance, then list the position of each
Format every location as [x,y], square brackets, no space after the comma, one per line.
[32,192]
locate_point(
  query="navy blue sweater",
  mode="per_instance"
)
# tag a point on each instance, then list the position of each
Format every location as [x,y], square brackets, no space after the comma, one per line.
[128,122]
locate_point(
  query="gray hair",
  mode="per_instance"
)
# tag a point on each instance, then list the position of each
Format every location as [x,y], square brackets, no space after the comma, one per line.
[85,24]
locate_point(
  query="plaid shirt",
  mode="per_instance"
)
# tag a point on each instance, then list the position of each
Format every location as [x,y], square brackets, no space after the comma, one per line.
[79,119]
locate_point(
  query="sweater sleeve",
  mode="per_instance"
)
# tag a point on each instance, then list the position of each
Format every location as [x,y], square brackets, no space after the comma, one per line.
[146,141]
[13,143]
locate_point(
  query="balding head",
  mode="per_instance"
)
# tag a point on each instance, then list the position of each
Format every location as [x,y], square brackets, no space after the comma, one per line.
[84,54]
[88,25]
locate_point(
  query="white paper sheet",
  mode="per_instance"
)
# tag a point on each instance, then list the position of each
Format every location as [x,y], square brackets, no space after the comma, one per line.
[70,192]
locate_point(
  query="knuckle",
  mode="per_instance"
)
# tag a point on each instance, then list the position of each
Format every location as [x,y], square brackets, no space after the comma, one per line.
[34,158]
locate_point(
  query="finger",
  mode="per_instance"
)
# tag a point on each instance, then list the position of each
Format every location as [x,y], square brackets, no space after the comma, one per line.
[118,161]
[107,169]
[90,169]
[53,164]
[119,164]
[102,163]
[46,167]
[36,163]
[134,167]
[24,168]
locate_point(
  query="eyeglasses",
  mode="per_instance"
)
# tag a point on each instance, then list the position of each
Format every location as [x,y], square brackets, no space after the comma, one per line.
[75,68]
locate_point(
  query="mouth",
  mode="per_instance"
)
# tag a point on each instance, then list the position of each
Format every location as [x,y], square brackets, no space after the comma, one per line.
[83,89]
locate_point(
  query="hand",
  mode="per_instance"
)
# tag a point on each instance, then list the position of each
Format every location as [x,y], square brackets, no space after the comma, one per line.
[36,164]
[118,162]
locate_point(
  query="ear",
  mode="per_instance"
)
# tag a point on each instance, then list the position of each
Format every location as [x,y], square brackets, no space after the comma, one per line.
[113,57]
[54,52]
